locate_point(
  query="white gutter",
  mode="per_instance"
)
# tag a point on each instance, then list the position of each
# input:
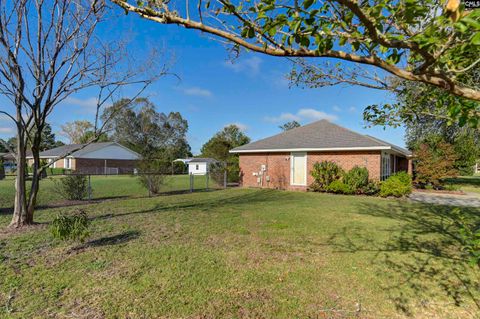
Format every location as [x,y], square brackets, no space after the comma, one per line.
[371,148]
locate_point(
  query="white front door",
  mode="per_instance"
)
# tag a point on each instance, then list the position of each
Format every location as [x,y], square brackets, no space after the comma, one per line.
[298,169]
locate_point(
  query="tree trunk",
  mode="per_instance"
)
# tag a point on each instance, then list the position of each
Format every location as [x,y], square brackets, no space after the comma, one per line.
[36,175]
[20,206]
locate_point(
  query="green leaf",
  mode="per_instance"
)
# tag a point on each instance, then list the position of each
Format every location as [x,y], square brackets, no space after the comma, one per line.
[476,39]
[307,3]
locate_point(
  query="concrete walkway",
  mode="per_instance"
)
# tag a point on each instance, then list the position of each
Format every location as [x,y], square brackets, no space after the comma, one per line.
[467,200]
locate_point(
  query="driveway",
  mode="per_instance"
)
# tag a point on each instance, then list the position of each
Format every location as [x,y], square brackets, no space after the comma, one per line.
[467,200]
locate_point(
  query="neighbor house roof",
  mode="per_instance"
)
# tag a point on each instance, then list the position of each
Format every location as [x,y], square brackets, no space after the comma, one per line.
[318,136]
[202,160]
[65,149]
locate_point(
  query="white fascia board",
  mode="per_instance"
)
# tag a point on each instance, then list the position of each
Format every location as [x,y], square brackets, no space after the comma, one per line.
[371,148]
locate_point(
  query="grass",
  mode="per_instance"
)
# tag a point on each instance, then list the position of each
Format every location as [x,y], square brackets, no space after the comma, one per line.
[114,186]
[466,183]
[243,253]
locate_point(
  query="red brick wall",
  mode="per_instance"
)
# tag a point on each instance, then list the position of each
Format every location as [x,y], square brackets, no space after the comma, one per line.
[97,166]
[347,160]
[278,169]
[278,166]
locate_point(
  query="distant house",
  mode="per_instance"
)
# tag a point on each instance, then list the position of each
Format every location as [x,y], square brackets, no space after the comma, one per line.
[197,166]
[200,166]
[95,158]
[285,160]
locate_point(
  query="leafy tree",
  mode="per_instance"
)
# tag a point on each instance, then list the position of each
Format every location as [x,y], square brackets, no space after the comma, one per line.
[423,103]
[425,114]
[137,125]
[75,131]
[434,161]
[90,136]
[3,146]
[289,125]
[47,140]
[219,146]
[424,41]
[467,148]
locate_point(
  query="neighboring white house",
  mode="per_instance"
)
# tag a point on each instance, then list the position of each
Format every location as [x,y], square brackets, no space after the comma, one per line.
[199,166]
[95,158]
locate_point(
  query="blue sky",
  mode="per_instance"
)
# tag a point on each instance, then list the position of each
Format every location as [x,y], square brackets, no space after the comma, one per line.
[212,92]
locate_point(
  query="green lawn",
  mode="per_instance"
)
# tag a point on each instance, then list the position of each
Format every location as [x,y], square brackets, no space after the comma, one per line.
[243,253]
[466,183]
[114,186]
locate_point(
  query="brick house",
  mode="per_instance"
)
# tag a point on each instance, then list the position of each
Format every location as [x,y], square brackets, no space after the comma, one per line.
[95,158]
[284,161]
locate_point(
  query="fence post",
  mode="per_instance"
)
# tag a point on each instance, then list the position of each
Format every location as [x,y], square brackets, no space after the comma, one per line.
[191,183]
[89,188]
[225,179]
[149,180]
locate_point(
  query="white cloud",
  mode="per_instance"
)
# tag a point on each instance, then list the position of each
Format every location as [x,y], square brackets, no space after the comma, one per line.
[88,105]
[283,117]
[196,91]
[6,130]
[352,109]
[337,108]
[305,114]
[241,126]
[250,66]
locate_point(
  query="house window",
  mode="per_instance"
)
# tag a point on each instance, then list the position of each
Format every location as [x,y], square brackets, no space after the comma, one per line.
[386,166]
[67,163]
[52,162]
[298,169]
[197,167]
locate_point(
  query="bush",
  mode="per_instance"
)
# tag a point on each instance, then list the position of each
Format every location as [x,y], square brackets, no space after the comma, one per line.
[72,187]
[356,179]
[397,185]
[152,174]
[324,173]
[2,169]
[338,187]
[433,162]
[71,226]
[371,189]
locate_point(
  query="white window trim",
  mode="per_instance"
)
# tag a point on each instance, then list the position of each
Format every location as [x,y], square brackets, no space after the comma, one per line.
[67,163]
[305,155]
[385,169]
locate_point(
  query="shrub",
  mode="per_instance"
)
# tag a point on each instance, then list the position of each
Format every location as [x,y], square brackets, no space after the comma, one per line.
[72,187]
[397,185]
[71,226]
[153,174]
[324,173]
[338,187]
[434,162]
[371,189]
[356,179]
[2,169]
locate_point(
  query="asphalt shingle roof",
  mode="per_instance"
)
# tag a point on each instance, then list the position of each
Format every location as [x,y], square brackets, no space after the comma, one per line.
[65,149]
[318,135]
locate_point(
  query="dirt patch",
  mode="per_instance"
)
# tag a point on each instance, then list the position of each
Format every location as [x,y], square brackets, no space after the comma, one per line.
[6,232]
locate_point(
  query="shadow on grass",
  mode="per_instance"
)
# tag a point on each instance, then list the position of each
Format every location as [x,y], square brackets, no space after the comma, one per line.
[465,180]
[114,240]
[69,203]
[260,196]
[422,255]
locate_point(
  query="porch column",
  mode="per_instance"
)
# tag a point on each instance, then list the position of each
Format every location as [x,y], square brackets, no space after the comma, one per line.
[410,166]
